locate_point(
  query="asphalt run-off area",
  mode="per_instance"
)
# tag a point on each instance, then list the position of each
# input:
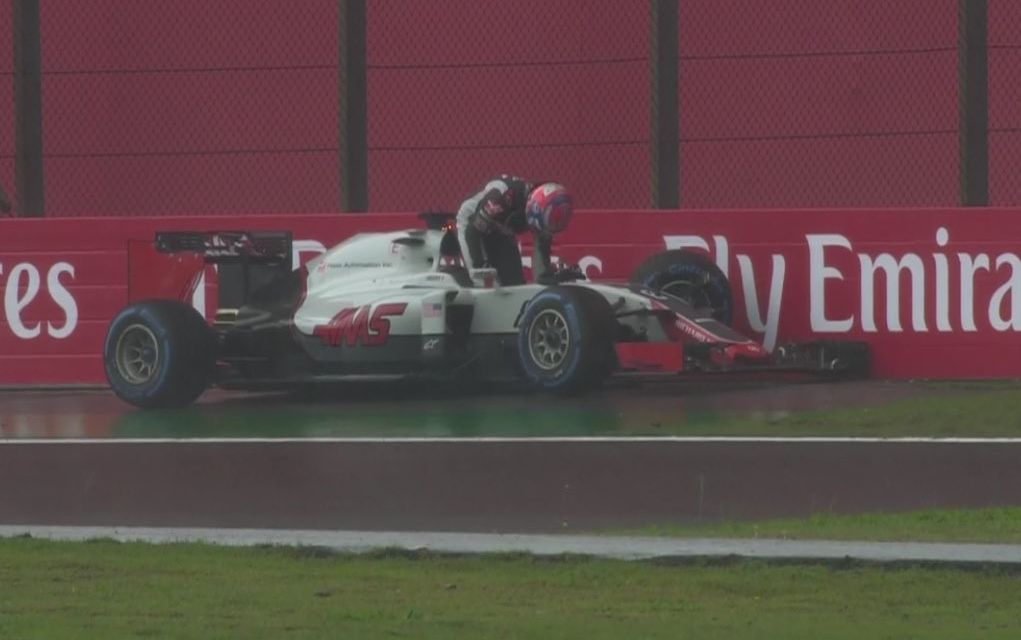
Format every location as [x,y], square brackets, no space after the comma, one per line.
[418,463]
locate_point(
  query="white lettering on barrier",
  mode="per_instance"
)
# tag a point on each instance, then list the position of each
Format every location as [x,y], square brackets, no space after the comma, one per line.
[818,274]
[1011,287]
[769,326]
[1001,317]
[64,300]
[590,262]
[24,284]
[969,266]
[892,267]
[15,303]
[942,282]
[685,242]
[1003,312]
[21,289]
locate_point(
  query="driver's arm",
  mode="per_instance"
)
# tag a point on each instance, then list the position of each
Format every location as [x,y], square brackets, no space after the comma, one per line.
[542,270]
[490,216]
[476,252]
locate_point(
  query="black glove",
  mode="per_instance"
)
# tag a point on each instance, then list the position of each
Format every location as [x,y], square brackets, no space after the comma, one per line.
[546,278]
[569,273]
[561,275]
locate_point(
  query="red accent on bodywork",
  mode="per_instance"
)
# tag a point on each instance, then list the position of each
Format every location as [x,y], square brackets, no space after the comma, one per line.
[152,274]
[352,327]
[651,356]
[745,352]
[341,328]
[693,331]
[680,329]
[380,326]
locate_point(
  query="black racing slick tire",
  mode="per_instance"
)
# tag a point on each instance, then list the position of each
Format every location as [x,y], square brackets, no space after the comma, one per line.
[690,276]
[159,354]
[565,339]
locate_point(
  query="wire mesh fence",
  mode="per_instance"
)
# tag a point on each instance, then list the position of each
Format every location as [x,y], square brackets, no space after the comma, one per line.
[189,106]
[801,103]
[7,112]
[237,106]
[1004,102]
[461,91]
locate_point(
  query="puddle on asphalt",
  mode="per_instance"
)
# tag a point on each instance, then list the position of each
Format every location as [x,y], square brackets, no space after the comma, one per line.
[645,411]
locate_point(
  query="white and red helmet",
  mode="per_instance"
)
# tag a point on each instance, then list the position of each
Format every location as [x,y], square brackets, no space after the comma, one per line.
[549,208]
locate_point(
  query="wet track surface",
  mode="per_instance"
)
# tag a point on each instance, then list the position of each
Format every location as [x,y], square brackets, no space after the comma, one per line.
[465,462]
[510,486]
[376,411]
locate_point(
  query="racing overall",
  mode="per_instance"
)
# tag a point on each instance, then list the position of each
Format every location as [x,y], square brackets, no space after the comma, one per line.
[488,224]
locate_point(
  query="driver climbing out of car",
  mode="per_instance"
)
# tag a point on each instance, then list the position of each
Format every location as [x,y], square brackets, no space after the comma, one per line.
[489,222]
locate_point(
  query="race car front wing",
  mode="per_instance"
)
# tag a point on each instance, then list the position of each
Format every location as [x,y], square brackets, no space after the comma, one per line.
[823,357]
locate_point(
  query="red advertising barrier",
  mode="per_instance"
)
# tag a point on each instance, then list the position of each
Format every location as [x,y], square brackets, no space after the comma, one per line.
[936,292]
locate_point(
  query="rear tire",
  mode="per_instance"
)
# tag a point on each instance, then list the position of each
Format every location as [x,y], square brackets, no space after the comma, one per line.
[565,339]
[159,354]
[690,276]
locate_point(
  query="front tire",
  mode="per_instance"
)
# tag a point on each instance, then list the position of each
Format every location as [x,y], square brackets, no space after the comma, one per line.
[159,354]
[565,339]
[690,276]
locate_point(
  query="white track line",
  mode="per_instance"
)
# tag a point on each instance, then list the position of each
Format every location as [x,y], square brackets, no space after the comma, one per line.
[619,547]
[489,440]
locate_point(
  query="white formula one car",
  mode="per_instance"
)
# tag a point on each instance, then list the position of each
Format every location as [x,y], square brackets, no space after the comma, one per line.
[386,305]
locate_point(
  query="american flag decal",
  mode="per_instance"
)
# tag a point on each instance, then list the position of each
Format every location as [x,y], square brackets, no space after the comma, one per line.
[432,309]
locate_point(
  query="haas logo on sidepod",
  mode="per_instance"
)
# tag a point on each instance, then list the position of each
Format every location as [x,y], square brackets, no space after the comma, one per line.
[354,326]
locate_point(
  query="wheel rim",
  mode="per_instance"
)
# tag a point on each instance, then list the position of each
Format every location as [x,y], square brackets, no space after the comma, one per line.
[137,354]
[548,339]
[689,291]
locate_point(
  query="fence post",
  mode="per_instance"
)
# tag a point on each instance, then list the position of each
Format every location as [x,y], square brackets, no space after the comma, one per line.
[973,94]
[353,108]
[665,121]
[28,109]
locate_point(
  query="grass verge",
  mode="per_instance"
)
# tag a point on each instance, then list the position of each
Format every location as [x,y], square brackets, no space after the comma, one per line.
[104,589]
[949,409]
[993,525]
[954,414]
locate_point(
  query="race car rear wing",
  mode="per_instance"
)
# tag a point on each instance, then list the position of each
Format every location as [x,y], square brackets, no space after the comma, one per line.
[230,247]
[173,264]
